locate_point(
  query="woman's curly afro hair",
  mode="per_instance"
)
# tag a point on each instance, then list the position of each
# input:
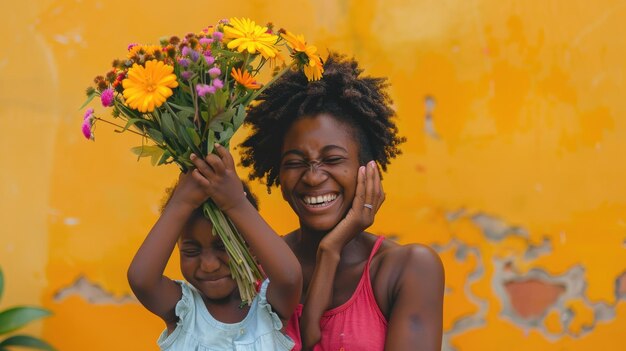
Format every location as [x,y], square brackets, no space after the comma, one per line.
[359,102]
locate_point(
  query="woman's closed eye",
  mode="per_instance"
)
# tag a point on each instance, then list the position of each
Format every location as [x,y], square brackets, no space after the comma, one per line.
[330,161]
[190,251]
[333,160]
[295,164]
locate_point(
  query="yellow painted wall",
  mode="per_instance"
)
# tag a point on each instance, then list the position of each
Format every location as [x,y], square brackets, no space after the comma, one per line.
[517,174]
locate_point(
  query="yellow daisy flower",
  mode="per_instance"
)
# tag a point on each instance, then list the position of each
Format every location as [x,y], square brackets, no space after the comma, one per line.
[306,55]
[314,69]
[244,78]
[148,87]
[245,34]
[143,49]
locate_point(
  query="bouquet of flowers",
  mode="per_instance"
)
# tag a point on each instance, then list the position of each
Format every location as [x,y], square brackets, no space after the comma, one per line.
[186,94]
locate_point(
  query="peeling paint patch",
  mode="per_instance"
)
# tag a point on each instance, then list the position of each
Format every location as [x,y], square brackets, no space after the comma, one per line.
[92,293]
[620,287]
[534,251]
[495,229]
[429,123]
[478,319]
[532,298]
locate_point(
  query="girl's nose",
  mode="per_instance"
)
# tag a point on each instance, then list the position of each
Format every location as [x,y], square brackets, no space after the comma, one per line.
[209,263]
[314,175]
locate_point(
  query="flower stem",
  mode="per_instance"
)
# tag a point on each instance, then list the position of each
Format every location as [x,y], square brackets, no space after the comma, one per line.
[119,126]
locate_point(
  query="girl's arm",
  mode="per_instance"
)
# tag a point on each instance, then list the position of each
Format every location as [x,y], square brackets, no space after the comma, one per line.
[156,292]
[416,317]
[219,180]
[319,295]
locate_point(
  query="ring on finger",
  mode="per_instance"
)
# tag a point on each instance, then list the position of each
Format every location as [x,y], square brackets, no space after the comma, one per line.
[368,206]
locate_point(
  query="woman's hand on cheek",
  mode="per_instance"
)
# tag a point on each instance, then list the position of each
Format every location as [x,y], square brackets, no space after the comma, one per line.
[218,178]
[368,198]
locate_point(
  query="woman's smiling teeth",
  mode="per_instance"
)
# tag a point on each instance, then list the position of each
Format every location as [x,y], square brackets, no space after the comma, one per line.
[319,201]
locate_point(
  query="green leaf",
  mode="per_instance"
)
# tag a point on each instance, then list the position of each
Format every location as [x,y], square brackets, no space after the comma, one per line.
[132,122]
[239,117]
[189,141]
[89,98]
[226,135]
[221,98]
[204,115]
[210,142]
[156,135]
[26,341]
[194,136]
[225,116]
[164,158]
[185,115]
[1,283]
[183,108]
[168,125]
[155,152]
[17,317]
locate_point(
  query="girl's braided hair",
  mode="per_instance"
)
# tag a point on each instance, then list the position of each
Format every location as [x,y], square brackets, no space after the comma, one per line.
[359,102]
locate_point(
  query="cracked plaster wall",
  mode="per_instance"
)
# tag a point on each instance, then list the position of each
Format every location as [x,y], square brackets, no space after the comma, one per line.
[513,170]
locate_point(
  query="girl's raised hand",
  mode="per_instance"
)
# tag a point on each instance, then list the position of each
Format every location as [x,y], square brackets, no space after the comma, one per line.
[217,177]
[368,198]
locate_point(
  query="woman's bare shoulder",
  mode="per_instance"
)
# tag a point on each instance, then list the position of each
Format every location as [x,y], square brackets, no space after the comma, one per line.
[396,265]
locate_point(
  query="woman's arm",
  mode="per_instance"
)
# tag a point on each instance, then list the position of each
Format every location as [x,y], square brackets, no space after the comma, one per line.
[415,320]
[219,179]
[156,292]
[320,293]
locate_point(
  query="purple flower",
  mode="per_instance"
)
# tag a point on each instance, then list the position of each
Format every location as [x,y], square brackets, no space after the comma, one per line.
[209,59]
[132,45]
[185,51]
[206,41]
[194,55]
[215,72]
[186,75]
[88,114]
[183,62]
[218,35]
[106,97]
[217,83]
[204,89]
[87,129]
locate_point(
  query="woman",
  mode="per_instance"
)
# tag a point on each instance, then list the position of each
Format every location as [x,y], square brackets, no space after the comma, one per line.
[323,143]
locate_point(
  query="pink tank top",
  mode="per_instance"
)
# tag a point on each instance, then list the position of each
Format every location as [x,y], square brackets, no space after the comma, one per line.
[356,325]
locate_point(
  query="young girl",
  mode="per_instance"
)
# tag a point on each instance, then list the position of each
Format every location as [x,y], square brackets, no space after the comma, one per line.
[204,313]
[323,143]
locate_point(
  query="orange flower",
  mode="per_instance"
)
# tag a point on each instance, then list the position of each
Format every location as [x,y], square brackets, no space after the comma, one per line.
[244,78]
[305,55]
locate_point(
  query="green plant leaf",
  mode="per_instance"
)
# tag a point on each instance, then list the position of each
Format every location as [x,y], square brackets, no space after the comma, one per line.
[132,122]
[221,118]
[17,317]
[183,108]
[156,135]
[89,98]
[194,136]
[226,135]
[1,283]
[153,151]
[239,117]
[26,341]
[164,158]
[189,141]
[168,124]
[210,142]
